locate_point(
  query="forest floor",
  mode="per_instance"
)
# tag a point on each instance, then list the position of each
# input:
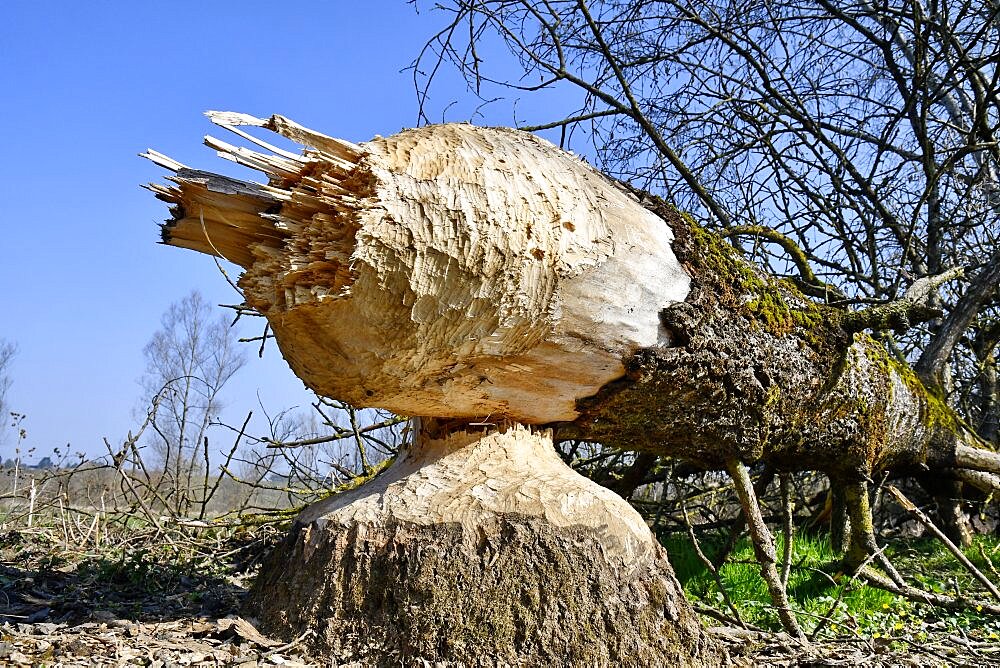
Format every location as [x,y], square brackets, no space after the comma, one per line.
[138,603]
[146,601]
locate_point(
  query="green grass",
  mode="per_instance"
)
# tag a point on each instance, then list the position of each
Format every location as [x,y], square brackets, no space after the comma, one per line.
[816,589]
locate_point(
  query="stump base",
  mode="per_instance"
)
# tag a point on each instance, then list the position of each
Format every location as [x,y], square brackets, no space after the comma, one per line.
[485,550]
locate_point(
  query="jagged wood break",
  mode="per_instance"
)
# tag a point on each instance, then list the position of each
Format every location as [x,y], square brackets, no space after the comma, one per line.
[463,275]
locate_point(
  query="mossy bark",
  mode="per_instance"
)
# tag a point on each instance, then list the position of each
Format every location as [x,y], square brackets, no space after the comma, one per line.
[752,370]
[480,549]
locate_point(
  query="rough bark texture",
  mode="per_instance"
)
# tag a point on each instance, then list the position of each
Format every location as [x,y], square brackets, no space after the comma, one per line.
[757,372]
[481,548]
[520,592]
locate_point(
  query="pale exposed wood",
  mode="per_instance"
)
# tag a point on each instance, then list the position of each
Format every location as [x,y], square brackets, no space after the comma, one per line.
[221,118]
[269,164]
[468,477]
[450,271]
[162,160]
[234,118]
[289,129]
[480,547]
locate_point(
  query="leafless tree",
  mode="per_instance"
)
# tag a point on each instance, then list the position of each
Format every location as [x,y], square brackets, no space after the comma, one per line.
[188,362]
[849,143]
[7,352]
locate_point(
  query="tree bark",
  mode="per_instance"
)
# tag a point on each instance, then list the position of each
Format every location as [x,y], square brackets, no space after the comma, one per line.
[756,372]
[481,547]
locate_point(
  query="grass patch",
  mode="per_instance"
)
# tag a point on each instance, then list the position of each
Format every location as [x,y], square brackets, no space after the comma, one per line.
[818,591]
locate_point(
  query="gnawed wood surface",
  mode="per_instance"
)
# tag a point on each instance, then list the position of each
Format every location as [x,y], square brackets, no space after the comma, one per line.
[465,478]
[448,270]
[466,275]
[481,547]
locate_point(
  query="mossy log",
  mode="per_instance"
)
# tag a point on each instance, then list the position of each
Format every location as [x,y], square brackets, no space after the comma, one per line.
[757,372]
[499,288]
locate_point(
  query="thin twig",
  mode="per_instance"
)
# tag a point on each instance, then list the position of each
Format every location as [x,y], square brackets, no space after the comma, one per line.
[711,568]
[954,549]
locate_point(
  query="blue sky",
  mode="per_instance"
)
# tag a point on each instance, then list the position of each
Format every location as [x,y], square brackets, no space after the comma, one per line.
[86,87]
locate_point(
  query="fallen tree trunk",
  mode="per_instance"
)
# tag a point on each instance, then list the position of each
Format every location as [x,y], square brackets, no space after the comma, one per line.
[476,276]
[758,372]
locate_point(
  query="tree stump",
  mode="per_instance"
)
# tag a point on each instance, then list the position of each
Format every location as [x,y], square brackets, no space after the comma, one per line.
[470,276]
[481,546]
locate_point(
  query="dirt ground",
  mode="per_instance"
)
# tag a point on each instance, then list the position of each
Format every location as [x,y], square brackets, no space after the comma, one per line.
[132,606]
[232,641]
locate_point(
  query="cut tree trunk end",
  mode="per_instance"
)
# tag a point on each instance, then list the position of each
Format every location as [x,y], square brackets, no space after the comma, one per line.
[480,546]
